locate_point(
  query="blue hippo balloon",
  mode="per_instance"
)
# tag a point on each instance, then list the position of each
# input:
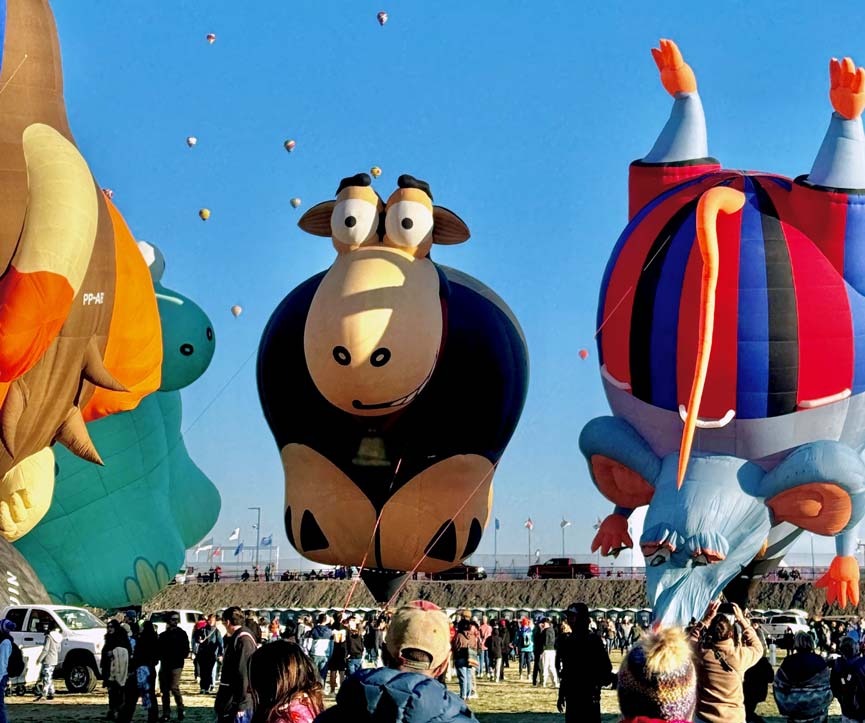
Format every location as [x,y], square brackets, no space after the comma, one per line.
[732,350]
[116,535]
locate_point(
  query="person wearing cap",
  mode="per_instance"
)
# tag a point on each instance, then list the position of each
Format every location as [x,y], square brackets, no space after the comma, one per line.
[657,680]
[585,668]
[7,627]
[466,647]
[415,653]
[173,648]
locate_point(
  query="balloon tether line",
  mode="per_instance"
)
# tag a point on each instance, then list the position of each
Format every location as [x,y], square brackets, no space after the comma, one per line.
[220,392]
[14,73]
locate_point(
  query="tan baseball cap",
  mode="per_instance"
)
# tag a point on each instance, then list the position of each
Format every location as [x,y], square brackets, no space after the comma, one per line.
[422,626]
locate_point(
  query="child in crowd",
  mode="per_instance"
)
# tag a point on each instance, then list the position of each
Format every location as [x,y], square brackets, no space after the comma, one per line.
[285,685]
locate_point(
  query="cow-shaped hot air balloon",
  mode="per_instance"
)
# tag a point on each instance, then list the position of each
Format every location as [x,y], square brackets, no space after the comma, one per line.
[392,386]
[79,326]
[732,352]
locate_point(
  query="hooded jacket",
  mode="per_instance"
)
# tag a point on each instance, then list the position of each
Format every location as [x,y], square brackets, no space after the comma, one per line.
[391,696]
[802,688]
[50,654]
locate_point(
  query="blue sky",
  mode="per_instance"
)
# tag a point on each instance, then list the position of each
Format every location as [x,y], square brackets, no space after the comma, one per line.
[523,116]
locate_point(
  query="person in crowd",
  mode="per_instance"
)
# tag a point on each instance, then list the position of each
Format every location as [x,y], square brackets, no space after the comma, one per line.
[585,668]
[722,664]
[115,665]
[233,700]
[336,660]
[141,679]
[802,688]
[196,632]
[847,680]
[372,642]
[301,632]
[789,641]
[284,684]
[173,648]
[416,652]
[526,645]
[48,659]
[547,644]
[322,645]
[274,632]
[289,632]
[537,649]
[626,633]
[755,685]
[209,649]
[485,630]
[354,647]
[657,680]
[245,576]
[466,654]
[268,576]
[495,649]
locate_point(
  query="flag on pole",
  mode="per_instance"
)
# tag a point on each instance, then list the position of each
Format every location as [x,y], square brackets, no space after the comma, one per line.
[267,541]
[234,535]
[498,525]
[215,551]
[204,545]
[238,549]
[529,525]
[564,523]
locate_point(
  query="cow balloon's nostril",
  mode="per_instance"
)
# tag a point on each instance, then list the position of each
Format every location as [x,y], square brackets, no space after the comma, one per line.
[380,357]
[350,221]
[341,355]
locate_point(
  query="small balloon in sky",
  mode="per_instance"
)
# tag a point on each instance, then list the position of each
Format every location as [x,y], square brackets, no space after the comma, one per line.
[191,141]
[382,17]
[109,194]
[584,353]
[295,202]
[237,310]
[289,145]
[211,38]
[204,214]
[375,171]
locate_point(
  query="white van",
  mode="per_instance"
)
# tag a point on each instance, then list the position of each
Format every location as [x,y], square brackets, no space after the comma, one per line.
[81,649]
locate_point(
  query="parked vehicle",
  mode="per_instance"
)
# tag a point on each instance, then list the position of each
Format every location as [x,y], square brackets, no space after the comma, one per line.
[460,572]
[776,625]
[564,567]
[188,618]
[83,638]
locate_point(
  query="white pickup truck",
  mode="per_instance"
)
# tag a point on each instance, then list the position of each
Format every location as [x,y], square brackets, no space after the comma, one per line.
[83,638]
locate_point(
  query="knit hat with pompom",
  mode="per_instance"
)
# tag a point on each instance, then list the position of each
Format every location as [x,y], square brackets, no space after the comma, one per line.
[658,678]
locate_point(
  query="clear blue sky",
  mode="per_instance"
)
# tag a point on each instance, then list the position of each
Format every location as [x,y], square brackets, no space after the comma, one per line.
[523,116]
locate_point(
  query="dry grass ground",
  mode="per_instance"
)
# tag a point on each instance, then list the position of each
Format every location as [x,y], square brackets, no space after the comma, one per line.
[512,701]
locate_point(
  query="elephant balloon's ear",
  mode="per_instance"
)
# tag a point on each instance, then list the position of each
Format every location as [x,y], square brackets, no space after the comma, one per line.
[819,487]
[448,228]
[622,464]
[317,220]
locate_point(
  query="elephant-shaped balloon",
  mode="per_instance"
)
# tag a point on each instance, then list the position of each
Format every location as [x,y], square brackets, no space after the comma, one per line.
[115,535]
[732,350]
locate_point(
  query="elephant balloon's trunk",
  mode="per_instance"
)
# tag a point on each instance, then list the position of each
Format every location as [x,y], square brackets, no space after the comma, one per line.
[713,202]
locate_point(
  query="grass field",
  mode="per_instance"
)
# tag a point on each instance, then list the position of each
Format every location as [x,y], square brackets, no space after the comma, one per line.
[509,702]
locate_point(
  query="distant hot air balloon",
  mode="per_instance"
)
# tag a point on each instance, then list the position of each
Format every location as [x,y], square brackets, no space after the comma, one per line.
[211,38]
[584,353]
[289,145]
[295,202]
[109,194]
[191,141]
[204,213]
[375,171]
[236,310]
[382,17]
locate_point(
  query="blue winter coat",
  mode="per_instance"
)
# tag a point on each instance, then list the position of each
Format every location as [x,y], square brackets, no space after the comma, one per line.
[390,696]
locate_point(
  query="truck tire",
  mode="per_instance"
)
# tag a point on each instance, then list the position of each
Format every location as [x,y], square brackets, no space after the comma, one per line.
[80,675]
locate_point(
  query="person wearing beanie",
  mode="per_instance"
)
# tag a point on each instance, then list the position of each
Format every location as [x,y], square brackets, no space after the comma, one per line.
[658,679]
[802,684]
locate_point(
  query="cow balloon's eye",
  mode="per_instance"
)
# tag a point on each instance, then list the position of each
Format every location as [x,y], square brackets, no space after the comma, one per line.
[408,223]
[353,221]
[660,557]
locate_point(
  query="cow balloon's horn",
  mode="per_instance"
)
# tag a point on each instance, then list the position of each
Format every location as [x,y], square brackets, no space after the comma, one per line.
[73,435]
[714,201]
[53,253]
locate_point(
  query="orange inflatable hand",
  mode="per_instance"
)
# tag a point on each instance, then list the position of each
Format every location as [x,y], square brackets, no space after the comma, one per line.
[841,582]
[612,536]
[676,74]
[848,87]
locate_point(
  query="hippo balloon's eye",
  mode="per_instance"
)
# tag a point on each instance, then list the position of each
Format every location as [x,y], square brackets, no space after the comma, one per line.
[340,353]
[380,357]
[209,333]
[408,224]
[186,349]
[354,221]
[660,557]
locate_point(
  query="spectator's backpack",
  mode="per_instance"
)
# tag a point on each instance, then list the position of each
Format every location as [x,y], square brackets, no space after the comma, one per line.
[527,639]
[15,666]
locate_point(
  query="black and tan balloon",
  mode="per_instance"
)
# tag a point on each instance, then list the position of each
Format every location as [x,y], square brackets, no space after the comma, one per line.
[392,386]
[79,327]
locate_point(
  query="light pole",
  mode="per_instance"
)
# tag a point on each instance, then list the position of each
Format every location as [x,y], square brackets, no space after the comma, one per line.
[812,555]
[257,534]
